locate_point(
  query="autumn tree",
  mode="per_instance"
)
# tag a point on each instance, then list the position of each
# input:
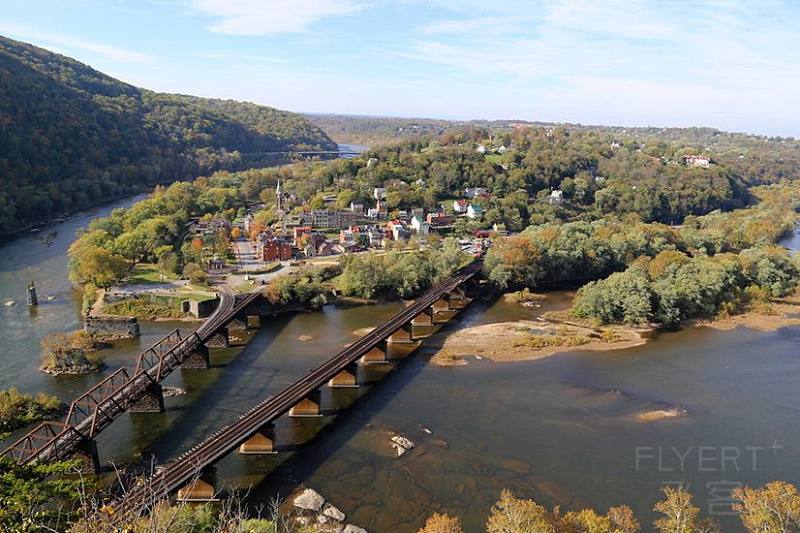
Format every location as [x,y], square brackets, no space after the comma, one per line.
[510,514]
[679,515]
[773,508]
[442,523]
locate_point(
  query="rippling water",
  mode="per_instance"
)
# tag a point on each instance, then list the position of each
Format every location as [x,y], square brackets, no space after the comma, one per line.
[562,430]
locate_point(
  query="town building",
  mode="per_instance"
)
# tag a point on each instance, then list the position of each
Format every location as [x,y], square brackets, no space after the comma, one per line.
[379,193]
[271,248]
[328,218]
[460,206]
[556,197]
[439,220]
[697,161]
[474,192]
[475,211]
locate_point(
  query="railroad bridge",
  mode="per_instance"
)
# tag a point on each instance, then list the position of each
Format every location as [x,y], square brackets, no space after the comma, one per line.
[253,433]
[136,390]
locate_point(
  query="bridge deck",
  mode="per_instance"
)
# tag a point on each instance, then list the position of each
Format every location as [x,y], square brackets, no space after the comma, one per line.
[99,406]
[187,467]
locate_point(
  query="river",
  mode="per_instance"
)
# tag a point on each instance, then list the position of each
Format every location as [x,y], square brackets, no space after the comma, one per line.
[562,430]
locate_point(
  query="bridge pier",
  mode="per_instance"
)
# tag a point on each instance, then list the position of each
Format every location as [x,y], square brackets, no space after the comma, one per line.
[262,443]
[425,318]
[200,489]
[376,355]
[152,401]
[308,406]
[404,335]
[197,359]
[220,339]
[347,378]
[237,324]
[458,298]
[253,321]
[86,455]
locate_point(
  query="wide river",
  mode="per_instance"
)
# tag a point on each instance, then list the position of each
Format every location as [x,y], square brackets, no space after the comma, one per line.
[562,430]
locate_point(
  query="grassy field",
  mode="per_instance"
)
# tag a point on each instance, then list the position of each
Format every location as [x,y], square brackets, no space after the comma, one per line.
[149,273]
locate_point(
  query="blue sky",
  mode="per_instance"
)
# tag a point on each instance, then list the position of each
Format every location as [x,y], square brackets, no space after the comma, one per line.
[729,64]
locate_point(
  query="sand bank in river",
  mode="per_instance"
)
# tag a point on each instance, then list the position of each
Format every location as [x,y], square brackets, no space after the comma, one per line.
[557,332]
[780,313]
[532,339]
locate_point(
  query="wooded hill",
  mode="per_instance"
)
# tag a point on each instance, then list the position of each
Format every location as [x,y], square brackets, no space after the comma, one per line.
[71,137]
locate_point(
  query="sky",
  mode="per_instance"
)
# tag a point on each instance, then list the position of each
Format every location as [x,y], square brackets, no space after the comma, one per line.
[729,64]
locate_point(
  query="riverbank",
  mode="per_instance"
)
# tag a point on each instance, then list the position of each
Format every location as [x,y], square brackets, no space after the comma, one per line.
[557,331]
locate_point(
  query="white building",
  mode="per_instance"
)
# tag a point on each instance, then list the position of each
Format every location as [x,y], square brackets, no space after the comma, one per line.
[474,192]
[481,149]
[556,197]
[379,193]
[460,206]
[474,211]
[697,161]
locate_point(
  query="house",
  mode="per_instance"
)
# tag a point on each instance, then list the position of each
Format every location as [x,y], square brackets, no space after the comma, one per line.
[475,211]
[439,220]
[400,233]
[500,229]
[481,149]
[501,149]
[379,193]
[418,212]
[271,248]
[697,161]
[328,248]
[419,225]
[460,206]
[299,232]
[616,145]
[326,218]
[556,197]
[356,208]
[375,236]
[474,192]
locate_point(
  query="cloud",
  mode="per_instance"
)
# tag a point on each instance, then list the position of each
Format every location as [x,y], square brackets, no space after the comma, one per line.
[67,43]
[266,17]
[242,57]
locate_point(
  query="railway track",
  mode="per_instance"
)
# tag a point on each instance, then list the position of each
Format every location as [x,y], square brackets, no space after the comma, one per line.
[187,466]
[98,407]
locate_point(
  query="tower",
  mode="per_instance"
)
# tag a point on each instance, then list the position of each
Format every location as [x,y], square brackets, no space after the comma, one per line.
[32,298]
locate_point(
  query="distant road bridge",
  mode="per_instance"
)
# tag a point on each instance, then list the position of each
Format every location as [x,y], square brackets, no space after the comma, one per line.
[253,432]
[138,390]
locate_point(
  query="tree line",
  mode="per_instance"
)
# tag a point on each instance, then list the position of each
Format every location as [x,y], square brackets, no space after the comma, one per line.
[73,137]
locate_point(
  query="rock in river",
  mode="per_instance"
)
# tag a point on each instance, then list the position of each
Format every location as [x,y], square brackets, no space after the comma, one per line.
[332,512]
[310,500]
[350,528]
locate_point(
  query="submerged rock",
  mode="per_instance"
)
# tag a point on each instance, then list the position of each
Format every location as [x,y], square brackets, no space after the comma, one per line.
[333,512]
[10,303]
[350,528]
[309,500]
[403,442]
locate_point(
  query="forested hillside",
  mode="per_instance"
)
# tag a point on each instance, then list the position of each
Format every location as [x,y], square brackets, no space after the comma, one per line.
[71,136]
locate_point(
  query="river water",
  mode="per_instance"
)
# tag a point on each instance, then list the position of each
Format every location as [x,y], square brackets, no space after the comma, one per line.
[562,430]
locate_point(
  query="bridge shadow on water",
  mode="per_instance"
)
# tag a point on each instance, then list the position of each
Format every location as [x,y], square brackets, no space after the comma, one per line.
[237,378]
[322,438]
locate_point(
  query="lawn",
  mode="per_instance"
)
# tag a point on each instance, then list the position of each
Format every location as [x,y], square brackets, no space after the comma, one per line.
[148,273]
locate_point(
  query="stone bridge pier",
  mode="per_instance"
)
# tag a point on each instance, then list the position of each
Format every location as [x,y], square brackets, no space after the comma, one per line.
[261,443]
[200,489]
[346,378]
[310,406]
[152,401]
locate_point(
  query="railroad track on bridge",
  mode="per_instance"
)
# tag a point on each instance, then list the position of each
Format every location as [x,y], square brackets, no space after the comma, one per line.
[100,405]
[186,467]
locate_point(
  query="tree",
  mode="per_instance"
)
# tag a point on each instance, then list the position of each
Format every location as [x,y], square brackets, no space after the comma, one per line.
[510,514]
[35,497]
[679,515]
[441,523]
[773,508]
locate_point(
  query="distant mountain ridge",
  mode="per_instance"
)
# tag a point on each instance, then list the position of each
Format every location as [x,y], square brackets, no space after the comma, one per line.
[71,137]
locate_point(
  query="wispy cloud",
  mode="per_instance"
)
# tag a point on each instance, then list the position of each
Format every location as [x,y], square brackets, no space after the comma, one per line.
[67,43]
[241,57]
[265,17]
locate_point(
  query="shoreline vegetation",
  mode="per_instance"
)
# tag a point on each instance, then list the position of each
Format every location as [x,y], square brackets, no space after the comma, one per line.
[18,409]
[559,331]
[72,353]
